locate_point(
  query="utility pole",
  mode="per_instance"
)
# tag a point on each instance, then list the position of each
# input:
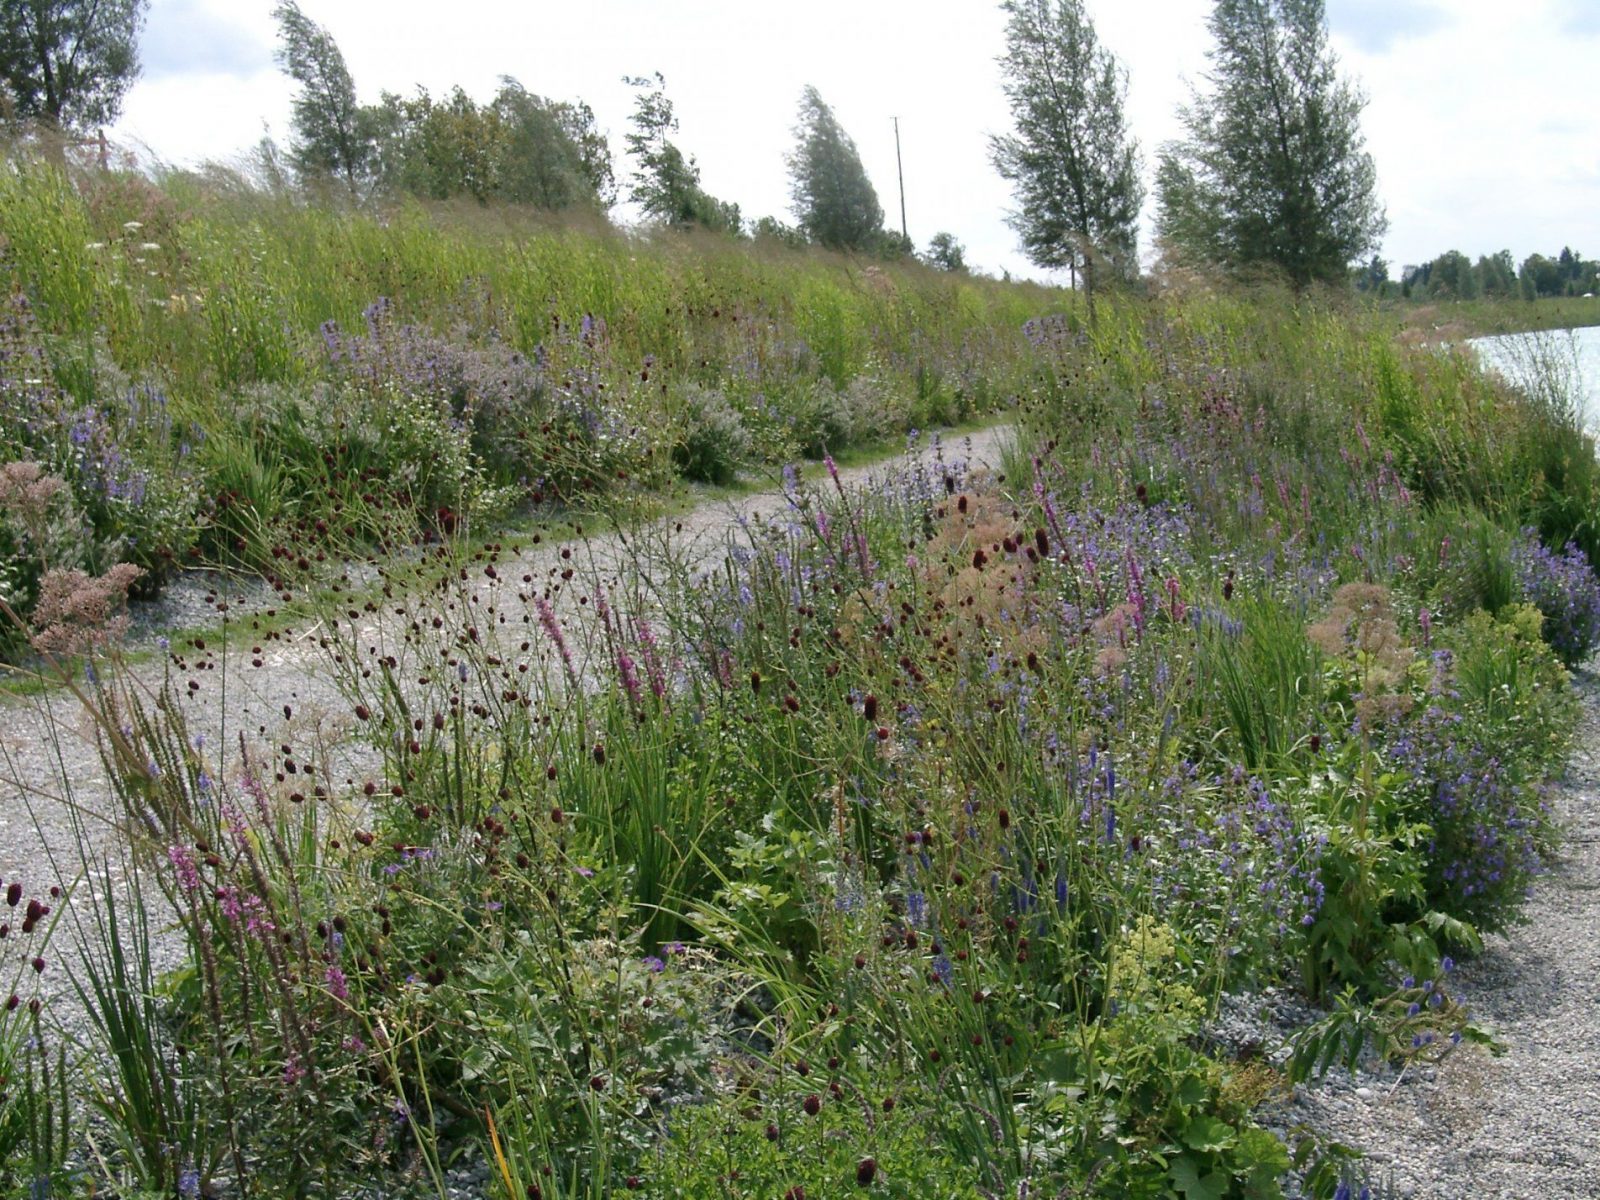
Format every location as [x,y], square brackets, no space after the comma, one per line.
[901,171]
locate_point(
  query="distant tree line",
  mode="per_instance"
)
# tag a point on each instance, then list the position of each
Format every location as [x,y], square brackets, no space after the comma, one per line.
[523,148]
[1454,276]
[1270,178]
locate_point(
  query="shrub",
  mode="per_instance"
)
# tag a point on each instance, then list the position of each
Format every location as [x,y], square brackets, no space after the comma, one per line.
[501,396]
[40,528]
[1476,758]
[712,441]
[117,443]
[1469,562]
[1563,587]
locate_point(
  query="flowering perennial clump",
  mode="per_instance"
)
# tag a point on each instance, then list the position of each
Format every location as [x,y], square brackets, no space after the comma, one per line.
[1564,588]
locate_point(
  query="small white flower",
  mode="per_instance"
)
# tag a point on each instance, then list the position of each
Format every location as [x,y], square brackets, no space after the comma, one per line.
[149,245]
[132,225]
[95,246]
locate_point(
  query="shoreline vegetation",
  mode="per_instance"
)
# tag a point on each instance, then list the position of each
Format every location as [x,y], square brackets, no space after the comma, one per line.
[910,845]
[1451,320]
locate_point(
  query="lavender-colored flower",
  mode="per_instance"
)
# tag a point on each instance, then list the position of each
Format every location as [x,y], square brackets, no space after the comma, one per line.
[338,985]
[182,859]
[1564,588]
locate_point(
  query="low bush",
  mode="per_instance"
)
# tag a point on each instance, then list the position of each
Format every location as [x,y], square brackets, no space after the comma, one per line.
[712,443]
[1563,587]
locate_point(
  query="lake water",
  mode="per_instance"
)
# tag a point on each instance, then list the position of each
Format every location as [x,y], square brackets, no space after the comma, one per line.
[1568,359]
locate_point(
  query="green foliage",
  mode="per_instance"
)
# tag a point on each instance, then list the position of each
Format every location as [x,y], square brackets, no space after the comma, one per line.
[1371,871]
[1272,172]
[1071,161]
[152,1106]
[945,252]
[70,62]
[1408,1023]
[834,201]
[1514,682]
[666,184]
[554,156]
[1567,274]
[333,138]
[1472,562]
[712,441]
[36,1118]
[518,149]
[1263,676]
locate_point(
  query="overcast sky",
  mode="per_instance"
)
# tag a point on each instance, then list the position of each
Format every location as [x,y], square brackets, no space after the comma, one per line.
[1482,119]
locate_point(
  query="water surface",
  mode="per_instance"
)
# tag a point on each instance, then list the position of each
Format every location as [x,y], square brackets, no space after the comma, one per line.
[1562,360]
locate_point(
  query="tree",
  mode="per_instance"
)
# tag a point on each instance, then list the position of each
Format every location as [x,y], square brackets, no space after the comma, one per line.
[333,135]
[520,148]
[1498,273]
[436,149]
[1372,276]
[553,156]
[770,229]
[1073,165]
[70,62]
[946,253]
[1273,171]
[1451,275]
[1542,275]
[666,185]
[834,201]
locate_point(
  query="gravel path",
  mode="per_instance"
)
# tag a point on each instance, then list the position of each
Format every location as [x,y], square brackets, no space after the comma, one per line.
[1525,1126]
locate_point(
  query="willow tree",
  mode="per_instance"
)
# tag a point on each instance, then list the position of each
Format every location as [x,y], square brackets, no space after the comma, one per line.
[834,201]
[1273,172]
[69,62]
[1071,161]
[332,132]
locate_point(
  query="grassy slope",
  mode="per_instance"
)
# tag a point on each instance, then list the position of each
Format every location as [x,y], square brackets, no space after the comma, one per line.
[217,290]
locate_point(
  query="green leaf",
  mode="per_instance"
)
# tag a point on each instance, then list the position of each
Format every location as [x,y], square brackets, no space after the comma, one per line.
[1187,1179]
[475,1062]
[1260,1152]
[1209,1135]
[1193,1091]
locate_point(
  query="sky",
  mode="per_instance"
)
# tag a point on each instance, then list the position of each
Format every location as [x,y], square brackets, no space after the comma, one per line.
[1481,115]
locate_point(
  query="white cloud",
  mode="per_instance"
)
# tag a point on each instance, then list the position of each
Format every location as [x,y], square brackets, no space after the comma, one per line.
[1480,124]
[185,37]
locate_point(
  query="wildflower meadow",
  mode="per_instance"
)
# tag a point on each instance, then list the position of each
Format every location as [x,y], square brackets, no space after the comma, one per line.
[903,838]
